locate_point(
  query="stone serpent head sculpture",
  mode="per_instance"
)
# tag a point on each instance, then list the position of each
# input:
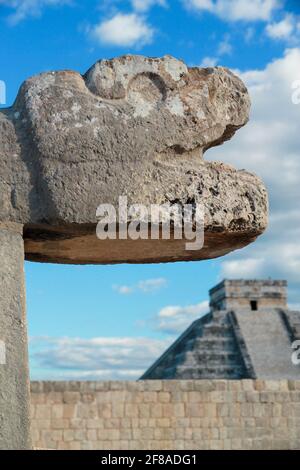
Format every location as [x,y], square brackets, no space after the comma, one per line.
[132,126]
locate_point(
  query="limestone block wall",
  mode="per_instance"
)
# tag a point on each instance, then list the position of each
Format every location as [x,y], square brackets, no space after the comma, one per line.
[199,414]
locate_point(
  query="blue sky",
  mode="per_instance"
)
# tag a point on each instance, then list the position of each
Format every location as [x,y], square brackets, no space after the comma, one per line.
[113,321]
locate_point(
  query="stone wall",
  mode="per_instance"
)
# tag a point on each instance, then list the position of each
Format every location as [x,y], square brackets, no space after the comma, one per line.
[158,414]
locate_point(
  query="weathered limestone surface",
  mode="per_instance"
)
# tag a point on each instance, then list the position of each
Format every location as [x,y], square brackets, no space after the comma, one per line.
[14,377]
[130,126]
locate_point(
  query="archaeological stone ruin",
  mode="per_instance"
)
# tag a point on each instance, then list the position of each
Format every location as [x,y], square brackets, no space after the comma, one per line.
[247,334]
[166,415]
[132,126]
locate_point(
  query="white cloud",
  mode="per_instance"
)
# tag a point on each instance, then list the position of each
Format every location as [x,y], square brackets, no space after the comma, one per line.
[24,8]
[249,34]
[174,319]
[236,10]
[209,62]
[247,267]
[145,286]
[151,285]
[269,146]
[124,30]
[95,358]
[109,358]
[225,47]
[145,5]
[286,29]
[123,290]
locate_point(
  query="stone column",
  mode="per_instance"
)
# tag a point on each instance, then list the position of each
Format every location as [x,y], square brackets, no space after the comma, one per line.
[14,371]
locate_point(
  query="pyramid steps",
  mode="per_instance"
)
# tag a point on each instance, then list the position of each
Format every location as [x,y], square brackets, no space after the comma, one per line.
[208,349]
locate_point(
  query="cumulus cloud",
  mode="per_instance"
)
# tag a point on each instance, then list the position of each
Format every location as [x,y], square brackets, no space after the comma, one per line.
[123,290]
[174,319]
[269,146]
[24,8]
[94,358]
[248,267]
[145,5]
[287,29]
[151,285]
[145,286]
[109,358]
[237,10]
[249,34]
[209,62]
[124,30]
[225,46]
